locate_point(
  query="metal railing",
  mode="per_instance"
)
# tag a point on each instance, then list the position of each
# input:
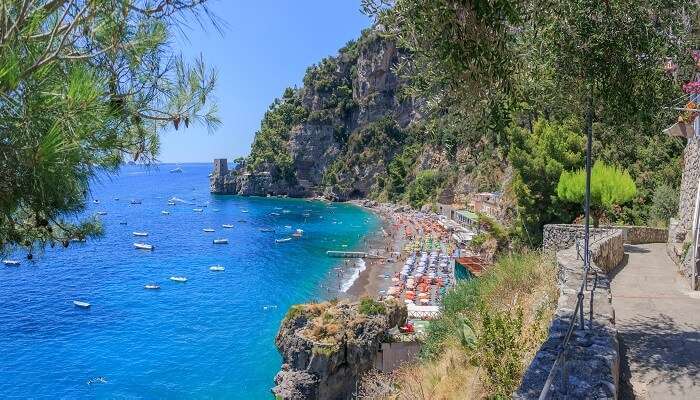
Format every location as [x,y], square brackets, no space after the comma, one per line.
[560,363]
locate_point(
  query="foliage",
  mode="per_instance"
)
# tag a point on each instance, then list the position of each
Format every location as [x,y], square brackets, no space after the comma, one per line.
[497,321]
[424,188]
[84,85]
[371,307]
[664,205]
[538,159]
[610,186]
[270,144]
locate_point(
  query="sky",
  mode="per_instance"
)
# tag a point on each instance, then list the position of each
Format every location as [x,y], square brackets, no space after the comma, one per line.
[266,46]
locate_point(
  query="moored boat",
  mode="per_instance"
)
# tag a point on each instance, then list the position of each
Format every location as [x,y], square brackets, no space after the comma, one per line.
[197,210]
[165,212]
[176,170]
[227,226]
[267,229]
[208,230]
[139,233]
[135,201]
[122,222]
[102,213]
[81,304]
[298,233]
[10,263]
[144,246]
[151,286]
[283,240]
[216,268]
[243,210]
[220,241]
[171,203]
[178,279]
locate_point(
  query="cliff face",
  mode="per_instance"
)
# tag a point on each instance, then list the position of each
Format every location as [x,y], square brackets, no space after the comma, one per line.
[345,100]
[327,347]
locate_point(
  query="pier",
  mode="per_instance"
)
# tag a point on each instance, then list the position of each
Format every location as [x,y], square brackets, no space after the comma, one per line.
[351,254]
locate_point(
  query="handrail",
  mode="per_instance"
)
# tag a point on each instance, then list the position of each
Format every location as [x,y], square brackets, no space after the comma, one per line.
[561,359]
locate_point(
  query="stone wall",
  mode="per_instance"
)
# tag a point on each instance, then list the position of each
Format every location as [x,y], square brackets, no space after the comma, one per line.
[563,236]
[593,358]
[679,232]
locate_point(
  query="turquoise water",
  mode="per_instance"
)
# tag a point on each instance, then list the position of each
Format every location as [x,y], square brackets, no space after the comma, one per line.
[209,338]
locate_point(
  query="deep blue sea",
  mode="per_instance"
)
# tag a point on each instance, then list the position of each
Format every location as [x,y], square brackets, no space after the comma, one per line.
[209,338]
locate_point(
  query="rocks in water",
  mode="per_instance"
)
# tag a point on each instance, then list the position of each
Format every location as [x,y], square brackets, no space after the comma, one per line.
[327,347]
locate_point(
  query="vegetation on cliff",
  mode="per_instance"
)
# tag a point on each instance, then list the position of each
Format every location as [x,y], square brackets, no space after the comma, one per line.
[489,331]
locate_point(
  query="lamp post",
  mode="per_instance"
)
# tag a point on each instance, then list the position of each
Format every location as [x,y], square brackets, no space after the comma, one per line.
[587,206]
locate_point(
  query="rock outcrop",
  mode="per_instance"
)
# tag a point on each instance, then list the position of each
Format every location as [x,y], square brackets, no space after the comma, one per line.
[327,347]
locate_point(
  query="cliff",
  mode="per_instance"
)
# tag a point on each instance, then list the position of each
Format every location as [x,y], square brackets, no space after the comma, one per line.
[327,347]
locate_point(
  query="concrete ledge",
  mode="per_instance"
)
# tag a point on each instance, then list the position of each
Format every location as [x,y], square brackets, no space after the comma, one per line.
[593,357]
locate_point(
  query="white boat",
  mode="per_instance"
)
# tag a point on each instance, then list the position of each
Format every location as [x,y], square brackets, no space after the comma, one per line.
[178,279]
[77,240]
[267,230]
[176,170]
[216,268]
[283,240]
[171,203]
[298,233]
[135,201]
[243,210]
[274,214]
[220,241]
[208,230]
[96,201]
[151,286]
[197,210]
[10,263]
[288,226]
[140,233]
[165,212]
[102,213]
[144,246]
[81,304]
[227,226]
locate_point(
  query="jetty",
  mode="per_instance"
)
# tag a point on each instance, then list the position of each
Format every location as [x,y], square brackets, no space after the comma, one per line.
[351,254]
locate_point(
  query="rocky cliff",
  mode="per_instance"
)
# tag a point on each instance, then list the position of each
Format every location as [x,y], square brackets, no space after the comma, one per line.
[327,347]
[351,107]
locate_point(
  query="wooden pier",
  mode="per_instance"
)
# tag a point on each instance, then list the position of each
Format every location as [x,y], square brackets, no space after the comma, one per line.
[351,254]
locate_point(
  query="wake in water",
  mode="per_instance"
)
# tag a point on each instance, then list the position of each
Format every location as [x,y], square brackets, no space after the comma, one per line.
[359,267]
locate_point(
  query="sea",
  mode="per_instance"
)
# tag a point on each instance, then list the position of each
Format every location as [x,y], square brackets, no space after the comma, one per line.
[211,337]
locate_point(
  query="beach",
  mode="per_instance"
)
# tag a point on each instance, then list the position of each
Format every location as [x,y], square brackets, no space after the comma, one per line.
[400,225]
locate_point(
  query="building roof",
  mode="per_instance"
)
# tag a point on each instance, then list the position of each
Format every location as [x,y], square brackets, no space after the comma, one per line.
[468,214]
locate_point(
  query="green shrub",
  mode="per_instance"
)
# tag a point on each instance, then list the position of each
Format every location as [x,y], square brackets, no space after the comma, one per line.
[371,307]
[294,311]
[424,188]
[500,351]
[664,204]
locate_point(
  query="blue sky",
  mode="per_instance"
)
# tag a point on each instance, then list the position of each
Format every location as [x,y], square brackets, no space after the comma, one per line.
[266,47]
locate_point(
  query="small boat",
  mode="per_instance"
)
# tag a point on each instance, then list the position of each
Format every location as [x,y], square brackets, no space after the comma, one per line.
[171,203]
[215,209]
[116,199]
[220,241]
[122,222]
[102,213]
[227,226]
[288,226]
[181,279]
[81,304]
[202,205]
[285,211]
[274,214]
[135,201]
[77,240]
[269,307]
[298,233]
[216,268]
[10,263]
[208,230]
[151,286]
[242,220]
[144,246]
[96,201]
[165,212]
[267,229]
[140,233]
[176,170]
[283,240]
[243,210]
[197,210]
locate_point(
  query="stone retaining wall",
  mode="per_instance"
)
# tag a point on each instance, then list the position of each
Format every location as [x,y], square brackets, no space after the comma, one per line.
[593,358]
[563,236]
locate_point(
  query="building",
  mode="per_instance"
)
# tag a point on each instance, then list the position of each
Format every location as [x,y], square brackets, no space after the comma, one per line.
[485,202]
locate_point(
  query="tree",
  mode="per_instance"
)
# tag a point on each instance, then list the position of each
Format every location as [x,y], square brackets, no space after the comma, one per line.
[610,187]
[538,159]
[85,84]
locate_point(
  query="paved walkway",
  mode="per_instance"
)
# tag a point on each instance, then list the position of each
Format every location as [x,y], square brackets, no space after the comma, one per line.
[658,319]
